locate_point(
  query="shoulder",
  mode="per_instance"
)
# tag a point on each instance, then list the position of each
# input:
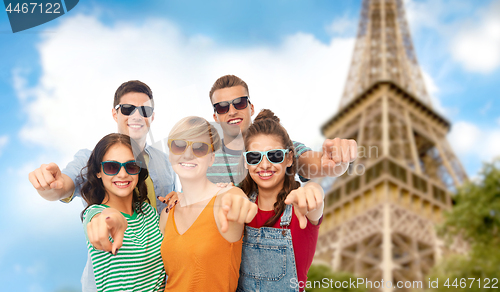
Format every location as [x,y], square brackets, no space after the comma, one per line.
[231,190]
[79,161]
[84,153]
[91,211]
[152,149]
[147,208]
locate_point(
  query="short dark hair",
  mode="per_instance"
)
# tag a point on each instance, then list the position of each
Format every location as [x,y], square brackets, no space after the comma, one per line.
[132,86]
[225,82]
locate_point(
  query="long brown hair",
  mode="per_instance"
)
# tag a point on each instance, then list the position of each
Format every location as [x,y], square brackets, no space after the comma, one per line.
[93,191]
[266,123]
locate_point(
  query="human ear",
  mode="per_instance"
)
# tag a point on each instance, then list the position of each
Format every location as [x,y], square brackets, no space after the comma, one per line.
[98,175]
[289,160]
[114,113]
[212,159]
[216,118]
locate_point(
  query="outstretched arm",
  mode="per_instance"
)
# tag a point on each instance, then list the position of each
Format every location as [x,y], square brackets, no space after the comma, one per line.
[332,161]
[308,203]
[50,183]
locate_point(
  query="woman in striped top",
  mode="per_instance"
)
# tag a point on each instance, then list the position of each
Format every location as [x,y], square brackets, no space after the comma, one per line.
[130,260]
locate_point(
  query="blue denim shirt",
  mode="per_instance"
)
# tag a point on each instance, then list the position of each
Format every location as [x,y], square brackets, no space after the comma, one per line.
[160,171]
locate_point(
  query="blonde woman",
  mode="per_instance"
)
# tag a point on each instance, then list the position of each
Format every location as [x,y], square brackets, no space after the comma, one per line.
[202,242]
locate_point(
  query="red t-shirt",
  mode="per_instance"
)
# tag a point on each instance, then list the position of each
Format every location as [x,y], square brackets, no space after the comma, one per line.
[303,240]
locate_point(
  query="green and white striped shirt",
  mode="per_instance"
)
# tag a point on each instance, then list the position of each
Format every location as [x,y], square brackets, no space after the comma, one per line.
[138,265]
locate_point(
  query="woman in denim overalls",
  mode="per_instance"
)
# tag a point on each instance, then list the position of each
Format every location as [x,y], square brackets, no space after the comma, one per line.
[269,261]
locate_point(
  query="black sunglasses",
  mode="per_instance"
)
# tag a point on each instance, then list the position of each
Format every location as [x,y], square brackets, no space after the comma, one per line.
[132,167]
[238,103]
[128,109]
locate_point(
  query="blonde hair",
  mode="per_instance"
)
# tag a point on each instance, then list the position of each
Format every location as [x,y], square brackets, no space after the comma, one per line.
[192,127]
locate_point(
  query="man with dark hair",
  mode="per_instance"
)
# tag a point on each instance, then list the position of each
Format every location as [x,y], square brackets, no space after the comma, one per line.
[133,111]
[233,110]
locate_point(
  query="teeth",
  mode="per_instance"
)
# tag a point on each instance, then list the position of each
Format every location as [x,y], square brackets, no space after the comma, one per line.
[265,173]
[188,164]
[121,184]
[135,126]
[234,121]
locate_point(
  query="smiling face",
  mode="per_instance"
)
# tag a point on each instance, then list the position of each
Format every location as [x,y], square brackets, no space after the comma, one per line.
[189,166]
[122,184]
[134,125]
[267,175]
[234,121]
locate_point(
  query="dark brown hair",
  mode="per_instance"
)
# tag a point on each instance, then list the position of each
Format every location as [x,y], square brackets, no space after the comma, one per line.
[227,81]
[266,123]
[132,86]
[93,191]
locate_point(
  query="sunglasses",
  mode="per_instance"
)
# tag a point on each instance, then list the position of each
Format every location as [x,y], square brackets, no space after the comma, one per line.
[132,167]
[275,156]
[128,109]
[238,103]
[178,146]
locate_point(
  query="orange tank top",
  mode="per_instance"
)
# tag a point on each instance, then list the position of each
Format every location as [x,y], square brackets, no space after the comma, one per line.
[200,259]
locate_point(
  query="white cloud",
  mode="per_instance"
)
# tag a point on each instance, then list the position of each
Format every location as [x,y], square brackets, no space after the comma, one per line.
[342,26]
[477,44]
[433,92]
[4,140]
[86,60]
[470,140]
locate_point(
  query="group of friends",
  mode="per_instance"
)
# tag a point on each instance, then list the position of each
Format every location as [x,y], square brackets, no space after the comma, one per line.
[242,222]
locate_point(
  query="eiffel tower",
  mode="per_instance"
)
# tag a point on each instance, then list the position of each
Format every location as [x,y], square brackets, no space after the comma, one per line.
[380,224]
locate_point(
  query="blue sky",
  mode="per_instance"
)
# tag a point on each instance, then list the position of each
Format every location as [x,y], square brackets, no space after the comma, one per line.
[57,82]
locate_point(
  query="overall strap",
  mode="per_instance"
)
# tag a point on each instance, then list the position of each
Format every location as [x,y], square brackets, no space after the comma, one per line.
[286,218]
[253,197]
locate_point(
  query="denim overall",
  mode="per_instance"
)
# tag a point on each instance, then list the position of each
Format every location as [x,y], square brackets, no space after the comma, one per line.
[267,258]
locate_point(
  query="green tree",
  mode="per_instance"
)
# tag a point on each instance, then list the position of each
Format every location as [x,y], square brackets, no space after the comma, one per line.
[475,218]
[322,276]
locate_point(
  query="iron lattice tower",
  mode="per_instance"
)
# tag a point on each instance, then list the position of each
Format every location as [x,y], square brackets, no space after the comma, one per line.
[380,225]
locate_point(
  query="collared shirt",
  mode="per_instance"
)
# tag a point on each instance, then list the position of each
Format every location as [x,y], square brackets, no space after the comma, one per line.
[160,171]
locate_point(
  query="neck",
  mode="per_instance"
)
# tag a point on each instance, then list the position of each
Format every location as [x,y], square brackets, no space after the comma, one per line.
[234,143]
[195,190]
[268,196]
[141,142]
[122,204]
